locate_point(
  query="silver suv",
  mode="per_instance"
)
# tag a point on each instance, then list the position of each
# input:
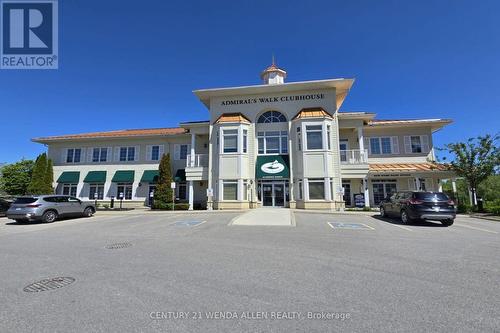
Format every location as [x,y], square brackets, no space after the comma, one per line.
[47,208]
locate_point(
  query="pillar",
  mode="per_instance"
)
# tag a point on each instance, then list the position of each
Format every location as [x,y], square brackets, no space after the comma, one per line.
[191,195]
[417,184]
[193,143]
[367,192]
[440,185]
[361,143]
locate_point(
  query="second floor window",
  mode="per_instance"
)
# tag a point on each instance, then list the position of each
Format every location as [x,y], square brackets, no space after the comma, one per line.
[155,153]
[314,136]
[272,142]
[184,151]
[127,154]
[416,144]
[73,155]
[384,145]
[230,140]
[99,154]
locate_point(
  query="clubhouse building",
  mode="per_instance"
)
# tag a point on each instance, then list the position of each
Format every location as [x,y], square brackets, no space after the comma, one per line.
[275,144]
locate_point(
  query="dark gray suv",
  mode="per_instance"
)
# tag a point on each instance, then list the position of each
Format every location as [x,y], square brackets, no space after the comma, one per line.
[47,208]
[419,205]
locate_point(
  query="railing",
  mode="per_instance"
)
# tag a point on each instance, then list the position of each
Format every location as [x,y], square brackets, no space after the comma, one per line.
[354,156]
[197,160]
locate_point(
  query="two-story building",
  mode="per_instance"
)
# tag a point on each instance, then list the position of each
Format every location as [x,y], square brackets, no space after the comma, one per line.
[275,144]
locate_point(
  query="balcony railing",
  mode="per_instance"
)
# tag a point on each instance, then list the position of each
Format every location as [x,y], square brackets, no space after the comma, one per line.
[354,156]
[197,160]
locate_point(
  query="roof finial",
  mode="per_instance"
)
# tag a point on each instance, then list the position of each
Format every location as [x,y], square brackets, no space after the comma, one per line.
[273,61]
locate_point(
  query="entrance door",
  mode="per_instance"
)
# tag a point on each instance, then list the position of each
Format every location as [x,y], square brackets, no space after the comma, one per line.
[267,195]
[279,195]
[273,194]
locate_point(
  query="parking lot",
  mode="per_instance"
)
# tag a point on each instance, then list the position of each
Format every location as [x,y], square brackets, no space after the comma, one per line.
[199,272]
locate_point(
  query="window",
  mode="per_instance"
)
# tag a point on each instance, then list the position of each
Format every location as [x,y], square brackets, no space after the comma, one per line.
[316,189]
[314,135]
[96,191]
[328,137]
[69,189]
[384,145]
[155,153]
[299,196]
[383,189]
[416,144]
[184,151]
[299,139]
[99,154]
[271,117]
[344,146]
[124,191]
[272,142]
[230,190]
[230,140]
[182,191]
[127,154]
[245,140]
[73,155]
[347,193]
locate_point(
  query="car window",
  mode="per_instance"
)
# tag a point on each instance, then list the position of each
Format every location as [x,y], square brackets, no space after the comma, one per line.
[62,199]
[51,199]
[431,196]
[73,199]
[25,200]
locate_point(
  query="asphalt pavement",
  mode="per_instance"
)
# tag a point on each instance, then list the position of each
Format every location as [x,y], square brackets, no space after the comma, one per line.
[195,272]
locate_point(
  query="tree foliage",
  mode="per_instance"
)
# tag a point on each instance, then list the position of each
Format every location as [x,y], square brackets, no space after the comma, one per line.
[41,176]
[15,178]
[489,189]
[163,192]
[475,160]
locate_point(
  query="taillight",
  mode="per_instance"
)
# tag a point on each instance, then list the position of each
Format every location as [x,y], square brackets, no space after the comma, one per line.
[451,202]
[33,206]
[415,202]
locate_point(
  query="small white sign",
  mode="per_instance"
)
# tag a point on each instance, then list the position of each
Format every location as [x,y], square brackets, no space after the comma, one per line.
[210,192]
[272,167]
[172,185]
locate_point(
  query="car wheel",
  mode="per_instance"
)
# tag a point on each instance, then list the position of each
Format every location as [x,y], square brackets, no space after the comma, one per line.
[88,212]
[382,211]
[405,218]
[49,216]
[447,222]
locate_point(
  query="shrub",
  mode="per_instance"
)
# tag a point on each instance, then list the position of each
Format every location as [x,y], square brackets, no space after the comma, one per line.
[168,206]
[493,206]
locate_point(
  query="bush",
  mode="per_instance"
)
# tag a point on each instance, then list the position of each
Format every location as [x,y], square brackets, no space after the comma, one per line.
[366,209]
[492,207]
[168,206]
[463,208]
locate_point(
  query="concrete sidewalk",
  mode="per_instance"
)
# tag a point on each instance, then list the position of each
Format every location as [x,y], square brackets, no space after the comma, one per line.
[265,217]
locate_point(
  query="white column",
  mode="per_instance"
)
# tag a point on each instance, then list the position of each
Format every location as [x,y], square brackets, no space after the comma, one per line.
[417,184]
[305,189]
[191,195]
[328,189]
[454,186]
[210,182]
[361,141]
[193,143]
[367,192]
[240,190]
[440,185]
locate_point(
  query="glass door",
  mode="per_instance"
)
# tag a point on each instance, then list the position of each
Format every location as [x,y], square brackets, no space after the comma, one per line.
[279,195]
[267,195]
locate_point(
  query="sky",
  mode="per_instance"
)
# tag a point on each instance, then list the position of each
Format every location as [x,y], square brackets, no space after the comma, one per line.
[134,64]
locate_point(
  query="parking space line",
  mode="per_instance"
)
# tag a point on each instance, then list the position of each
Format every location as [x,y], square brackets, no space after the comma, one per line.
[349,226]
[400,226]
[474,228]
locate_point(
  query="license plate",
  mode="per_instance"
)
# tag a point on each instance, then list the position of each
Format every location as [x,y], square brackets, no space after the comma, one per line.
[436,209]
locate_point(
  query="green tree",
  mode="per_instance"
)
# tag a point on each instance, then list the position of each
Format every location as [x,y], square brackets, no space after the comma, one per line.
[489,189]
[49,177]
[163,192]
[39,176]
[15,178]
[475,160]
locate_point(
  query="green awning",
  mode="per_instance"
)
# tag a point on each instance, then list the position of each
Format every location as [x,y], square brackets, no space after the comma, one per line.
[180,175]
[124,176]
[69,177]
[95,177]
[272,167]
[150,176]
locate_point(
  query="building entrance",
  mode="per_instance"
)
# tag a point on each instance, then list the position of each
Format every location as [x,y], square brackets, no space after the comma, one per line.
[273,194]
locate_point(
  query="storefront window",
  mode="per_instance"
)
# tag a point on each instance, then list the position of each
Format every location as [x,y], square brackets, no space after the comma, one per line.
[96,191]
[69,189]
[181,191]
[245,140]
[230,189]
[124,191]
[316,189]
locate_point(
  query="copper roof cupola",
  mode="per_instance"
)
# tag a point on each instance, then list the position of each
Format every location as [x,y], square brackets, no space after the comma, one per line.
[273,74]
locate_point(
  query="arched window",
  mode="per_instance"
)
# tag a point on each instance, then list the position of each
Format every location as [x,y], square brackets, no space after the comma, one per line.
[271,117]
